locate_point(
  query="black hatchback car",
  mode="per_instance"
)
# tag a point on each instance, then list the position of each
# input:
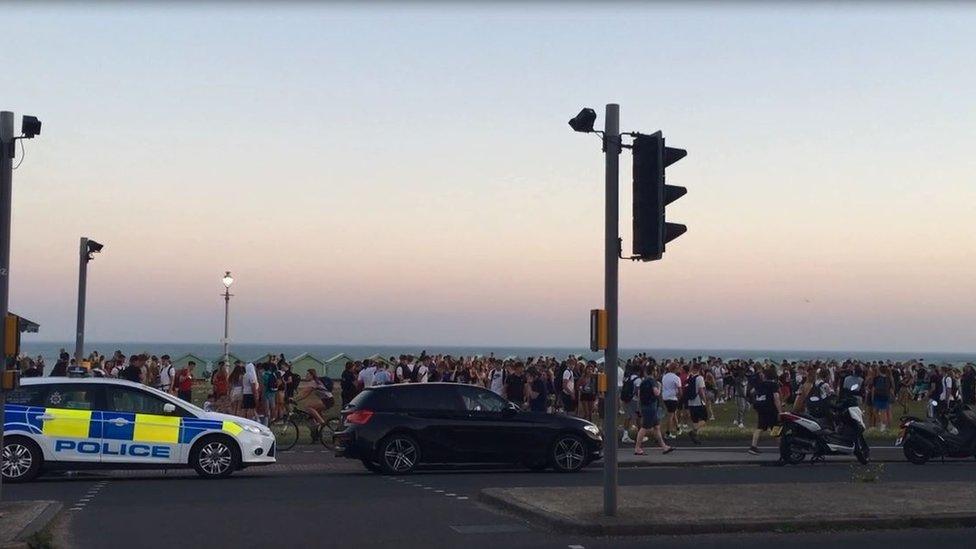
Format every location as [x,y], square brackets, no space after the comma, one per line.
[393,428]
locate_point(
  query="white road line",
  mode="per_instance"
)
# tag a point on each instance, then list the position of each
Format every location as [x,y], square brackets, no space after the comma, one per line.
[576,547]
[438,491]
[427,488]
[450,495]
[462,497]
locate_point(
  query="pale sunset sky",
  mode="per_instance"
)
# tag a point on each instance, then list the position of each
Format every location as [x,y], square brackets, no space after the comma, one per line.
[391,174]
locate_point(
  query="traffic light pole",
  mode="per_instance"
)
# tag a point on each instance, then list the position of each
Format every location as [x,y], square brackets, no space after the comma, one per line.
[611,145]
[82,291]
[6,187]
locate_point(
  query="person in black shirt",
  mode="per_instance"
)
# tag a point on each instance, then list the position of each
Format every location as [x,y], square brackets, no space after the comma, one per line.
[538,392]
[348,383]
[648,394]
[768,406]
[515,385]
[967,385]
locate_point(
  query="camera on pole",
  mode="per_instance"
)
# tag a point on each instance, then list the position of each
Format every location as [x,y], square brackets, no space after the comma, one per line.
[652,232]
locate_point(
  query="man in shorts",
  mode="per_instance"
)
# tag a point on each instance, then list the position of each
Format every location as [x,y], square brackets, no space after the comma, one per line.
[671,392]
[768,407]
[696,400]
[649,393]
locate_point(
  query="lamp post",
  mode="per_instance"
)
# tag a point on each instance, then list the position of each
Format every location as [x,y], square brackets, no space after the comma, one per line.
[227,280]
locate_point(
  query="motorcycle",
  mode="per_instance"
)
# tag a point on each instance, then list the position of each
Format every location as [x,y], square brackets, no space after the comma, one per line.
[803,434]
[953,437]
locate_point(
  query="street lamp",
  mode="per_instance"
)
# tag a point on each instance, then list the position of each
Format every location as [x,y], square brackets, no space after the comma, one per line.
[88,247]
[227,280]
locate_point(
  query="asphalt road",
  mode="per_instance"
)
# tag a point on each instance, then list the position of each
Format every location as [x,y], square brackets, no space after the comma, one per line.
[314,499]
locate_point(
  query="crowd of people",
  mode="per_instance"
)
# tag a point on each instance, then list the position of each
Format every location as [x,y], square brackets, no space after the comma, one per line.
[662,399]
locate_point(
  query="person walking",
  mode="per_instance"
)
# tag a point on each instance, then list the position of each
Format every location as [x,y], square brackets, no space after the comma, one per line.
[648,394]
[768,405]
[249,391]
[629,403]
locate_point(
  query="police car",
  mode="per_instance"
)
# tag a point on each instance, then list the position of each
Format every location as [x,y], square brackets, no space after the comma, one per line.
[92,423]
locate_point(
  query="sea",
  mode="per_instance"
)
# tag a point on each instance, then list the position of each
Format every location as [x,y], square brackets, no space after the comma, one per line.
[251,351]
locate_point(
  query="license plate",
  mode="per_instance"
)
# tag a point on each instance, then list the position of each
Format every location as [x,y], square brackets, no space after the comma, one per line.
[776,431]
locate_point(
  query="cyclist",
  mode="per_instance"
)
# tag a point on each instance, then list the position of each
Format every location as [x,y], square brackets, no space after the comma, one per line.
[314,386]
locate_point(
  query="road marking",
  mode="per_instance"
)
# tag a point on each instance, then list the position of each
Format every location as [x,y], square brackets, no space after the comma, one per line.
[438,491]
[450,495]
[427,488]
[462,497]
[489,528]
[576,547]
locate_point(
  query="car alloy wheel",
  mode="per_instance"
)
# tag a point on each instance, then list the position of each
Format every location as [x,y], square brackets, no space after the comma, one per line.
[215,458]
[17,461]
[400,455]
[569,453]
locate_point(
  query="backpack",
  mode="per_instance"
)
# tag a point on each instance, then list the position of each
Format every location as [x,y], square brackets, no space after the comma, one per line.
[691,390]
[271,381]
[627,391]
[647,391]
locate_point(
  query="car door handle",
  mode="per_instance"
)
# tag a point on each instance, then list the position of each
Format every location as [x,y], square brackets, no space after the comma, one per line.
[45,417]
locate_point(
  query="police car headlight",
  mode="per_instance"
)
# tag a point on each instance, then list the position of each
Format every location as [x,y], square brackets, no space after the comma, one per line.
[253,429]
[592,430]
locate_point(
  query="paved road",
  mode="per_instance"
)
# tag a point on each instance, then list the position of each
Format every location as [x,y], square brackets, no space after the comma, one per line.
[315,499]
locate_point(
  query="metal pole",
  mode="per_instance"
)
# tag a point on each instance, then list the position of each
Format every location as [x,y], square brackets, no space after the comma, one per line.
[6,187]
[612,147]
[82,290]
[226,324]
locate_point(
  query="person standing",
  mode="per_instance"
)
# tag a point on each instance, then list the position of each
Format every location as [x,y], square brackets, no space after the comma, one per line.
[167,373]
[629,403]
[671,393]
[648,394]
[515,385]
[536,391]
[249,391]
[568,388]
[365,379]
[768,405]
[347,383]
[219,385]
[236,383]
[381,376]
[967,385]
[496,379]
[881,396]
[697,412]
[184,382]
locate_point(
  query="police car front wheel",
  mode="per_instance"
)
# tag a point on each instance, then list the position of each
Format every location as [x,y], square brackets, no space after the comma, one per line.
[21,459]
[214,457]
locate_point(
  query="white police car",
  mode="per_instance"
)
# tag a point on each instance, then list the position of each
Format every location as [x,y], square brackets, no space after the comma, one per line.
[81,423]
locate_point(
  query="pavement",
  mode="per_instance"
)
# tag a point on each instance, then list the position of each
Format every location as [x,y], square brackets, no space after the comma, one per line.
[311,498]
[19,520]
[722,508]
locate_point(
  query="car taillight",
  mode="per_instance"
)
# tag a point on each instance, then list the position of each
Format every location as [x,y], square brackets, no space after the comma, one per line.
[359,417]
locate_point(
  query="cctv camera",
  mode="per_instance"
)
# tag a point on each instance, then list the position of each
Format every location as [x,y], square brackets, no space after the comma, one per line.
[583,122]
[30,126]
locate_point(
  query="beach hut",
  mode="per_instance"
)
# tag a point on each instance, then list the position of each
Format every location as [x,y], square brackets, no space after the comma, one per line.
[379,358]
[304,362]
[202,364]
[334,366]
[266,357]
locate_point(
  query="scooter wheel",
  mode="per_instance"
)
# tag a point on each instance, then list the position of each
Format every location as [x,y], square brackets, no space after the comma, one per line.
[787,453]
[914,454]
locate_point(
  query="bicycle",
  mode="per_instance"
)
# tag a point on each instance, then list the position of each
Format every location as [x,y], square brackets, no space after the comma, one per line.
[287,429]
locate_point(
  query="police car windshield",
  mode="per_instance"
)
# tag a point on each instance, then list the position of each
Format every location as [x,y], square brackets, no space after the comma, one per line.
[169,397]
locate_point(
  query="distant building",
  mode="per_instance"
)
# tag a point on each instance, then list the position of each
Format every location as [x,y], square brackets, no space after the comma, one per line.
[334,366]
[305,362]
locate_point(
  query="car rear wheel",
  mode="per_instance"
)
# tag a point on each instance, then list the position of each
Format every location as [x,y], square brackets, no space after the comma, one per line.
[568,453]
[399,454]
[21,460]
[214,457]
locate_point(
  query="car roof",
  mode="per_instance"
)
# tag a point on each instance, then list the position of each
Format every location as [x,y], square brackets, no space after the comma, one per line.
[100,380]
[415,386]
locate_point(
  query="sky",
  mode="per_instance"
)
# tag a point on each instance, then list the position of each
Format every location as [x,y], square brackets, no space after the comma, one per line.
[396,174]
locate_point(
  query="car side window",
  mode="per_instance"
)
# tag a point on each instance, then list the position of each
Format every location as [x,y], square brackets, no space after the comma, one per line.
[71,396]
[30,395]
[480,400]
[421,397]
[125,399]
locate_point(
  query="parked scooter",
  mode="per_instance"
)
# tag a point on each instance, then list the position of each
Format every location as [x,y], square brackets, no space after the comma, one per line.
[955,437]
[842,434]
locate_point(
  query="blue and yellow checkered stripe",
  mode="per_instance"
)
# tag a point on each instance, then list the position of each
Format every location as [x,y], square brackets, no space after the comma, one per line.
[147,428]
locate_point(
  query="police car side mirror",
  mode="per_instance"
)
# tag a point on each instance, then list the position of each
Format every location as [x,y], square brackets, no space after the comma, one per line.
[169,408]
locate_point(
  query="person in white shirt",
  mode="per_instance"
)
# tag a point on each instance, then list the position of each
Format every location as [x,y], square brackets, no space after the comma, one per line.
[167,374]
[568,384]
[250,389]
[423,372]
[496,380]
[365,378]
[670,393]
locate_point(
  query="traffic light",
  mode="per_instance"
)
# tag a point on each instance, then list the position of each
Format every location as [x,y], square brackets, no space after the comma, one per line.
[651,195]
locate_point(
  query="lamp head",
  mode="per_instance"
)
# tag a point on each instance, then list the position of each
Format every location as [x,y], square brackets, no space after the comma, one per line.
[227,280]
